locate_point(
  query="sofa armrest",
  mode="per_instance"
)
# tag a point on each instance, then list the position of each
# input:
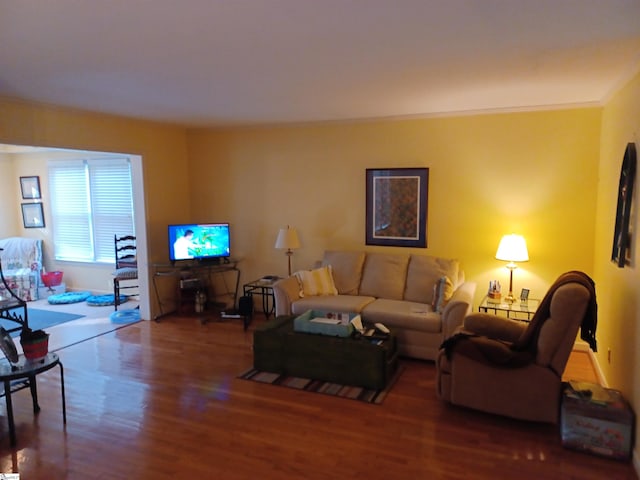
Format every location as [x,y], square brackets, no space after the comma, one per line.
[493,326]
[459,306]
[285,292]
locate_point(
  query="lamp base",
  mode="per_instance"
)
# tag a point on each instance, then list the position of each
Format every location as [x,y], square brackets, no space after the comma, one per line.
[509,298]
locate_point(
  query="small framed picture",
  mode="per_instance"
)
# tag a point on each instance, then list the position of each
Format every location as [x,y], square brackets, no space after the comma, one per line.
[32,215]
[524,295]
[30,188]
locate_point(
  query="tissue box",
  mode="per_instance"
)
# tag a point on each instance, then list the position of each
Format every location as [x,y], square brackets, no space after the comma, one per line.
[315,321]
[601,427]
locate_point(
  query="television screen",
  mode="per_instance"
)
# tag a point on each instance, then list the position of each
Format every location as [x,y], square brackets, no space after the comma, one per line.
[199,241]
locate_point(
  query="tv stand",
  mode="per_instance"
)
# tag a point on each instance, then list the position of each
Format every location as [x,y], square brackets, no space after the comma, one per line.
[220,282]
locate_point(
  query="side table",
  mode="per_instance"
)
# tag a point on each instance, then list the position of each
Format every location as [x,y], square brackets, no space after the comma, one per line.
[517,310]
[264,288]
[22,374]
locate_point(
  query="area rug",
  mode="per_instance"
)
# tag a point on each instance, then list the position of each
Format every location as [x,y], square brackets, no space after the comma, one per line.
[344,391]
[41,320]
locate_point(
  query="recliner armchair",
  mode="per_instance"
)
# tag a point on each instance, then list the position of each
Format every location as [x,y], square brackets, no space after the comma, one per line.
[511,368]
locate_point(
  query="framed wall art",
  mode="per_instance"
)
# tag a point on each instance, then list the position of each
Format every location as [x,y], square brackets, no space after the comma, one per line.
[621,252]
[30,188]
[397,207]
[32,215]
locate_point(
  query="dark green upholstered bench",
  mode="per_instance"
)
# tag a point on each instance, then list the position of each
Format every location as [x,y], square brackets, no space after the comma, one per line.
[349,361]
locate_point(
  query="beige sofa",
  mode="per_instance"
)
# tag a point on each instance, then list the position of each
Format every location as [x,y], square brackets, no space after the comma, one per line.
[395,289]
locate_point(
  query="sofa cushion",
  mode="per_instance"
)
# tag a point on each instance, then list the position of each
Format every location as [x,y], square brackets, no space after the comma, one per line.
[332,303]
[403,314]
[424,272]
[384,275]
[347,270]
[316,282]
[442,293]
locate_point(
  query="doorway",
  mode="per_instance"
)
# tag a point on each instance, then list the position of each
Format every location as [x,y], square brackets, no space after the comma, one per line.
[32,160]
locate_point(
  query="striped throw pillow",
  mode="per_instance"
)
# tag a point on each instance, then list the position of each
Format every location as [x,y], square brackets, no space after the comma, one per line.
[316,282]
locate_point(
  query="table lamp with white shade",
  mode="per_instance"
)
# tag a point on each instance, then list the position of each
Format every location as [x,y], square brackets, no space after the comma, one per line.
[288,240]
[512,248]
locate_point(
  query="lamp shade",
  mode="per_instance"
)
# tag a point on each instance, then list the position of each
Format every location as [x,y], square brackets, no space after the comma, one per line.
[288,239]
[512,248]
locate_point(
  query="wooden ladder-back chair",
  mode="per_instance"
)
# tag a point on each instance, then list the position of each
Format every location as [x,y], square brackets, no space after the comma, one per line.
[126,266]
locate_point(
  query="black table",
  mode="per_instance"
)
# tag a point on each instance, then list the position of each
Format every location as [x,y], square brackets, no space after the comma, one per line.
[358,360]
[264,288]
[22,374]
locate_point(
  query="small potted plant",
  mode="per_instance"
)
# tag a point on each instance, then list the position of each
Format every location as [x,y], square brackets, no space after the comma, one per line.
[35,343]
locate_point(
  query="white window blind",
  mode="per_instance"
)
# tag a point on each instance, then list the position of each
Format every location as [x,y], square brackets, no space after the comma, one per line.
[91,201]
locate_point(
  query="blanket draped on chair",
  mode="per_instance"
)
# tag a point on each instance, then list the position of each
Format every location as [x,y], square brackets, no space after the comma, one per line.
[523,351]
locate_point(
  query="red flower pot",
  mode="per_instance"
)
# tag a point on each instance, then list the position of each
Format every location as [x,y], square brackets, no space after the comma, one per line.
[36,349]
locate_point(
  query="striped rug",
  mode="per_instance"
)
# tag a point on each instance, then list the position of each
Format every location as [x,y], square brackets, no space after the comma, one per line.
[317,386]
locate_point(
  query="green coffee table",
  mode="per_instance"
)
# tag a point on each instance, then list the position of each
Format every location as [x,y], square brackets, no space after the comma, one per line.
[354,361]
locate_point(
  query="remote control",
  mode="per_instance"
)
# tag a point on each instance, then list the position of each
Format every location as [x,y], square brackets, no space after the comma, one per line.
[381,327]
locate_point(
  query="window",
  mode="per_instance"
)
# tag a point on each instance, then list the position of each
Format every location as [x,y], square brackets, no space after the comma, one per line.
[91,201]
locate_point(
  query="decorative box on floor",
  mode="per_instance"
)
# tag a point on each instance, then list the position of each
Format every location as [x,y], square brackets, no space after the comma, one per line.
[44,292]
[597,420]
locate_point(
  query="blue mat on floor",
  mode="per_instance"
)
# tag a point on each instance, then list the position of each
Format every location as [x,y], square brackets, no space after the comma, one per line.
[40,319]
[125,316]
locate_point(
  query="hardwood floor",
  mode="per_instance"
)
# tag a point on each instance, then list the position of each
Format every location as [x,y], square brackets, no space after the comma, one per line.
[161,400]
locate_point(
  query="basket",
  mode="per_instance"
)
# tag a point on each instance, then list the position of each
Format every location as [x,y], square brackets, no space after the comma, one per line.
[51,279]
[36,349]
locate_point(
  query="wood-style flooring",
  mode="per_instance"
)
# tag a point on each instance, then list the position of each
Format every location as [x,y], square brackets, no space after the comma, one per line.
[162,401]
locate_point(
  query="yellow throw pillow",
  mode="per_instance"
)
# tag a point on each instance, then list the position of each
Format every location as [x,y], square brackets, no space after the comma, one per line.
[317,282]
[442,293]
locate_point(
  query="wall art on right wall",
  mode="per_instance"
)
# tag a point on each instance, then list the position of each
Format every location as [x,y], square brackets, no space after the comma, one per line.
[621,253]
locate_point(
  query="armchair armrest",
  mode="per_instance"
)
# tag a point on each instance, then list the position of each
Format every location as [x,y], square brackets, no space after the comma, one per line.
[493,326]
[285,292]
[458,307]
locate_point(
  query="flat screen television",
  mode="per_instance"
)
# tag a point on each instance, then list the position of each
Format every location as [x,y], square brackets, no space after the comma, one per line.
[199,241]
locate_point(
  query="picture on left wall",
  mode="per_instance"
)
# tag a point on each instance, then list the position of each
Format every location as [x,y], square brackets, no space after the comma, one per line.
[32,215]
[30,188]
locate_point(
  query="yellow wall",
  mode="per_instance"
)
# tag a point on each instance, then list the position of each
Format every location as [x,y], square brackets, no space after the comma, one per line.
[9,188]
[618,288]
[530,173]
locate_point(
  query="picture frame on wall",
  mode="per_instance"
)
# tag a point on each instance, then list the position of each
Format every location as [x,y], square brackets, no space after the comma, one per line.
[396,207]
[621,252]
[32,215]
[30,188]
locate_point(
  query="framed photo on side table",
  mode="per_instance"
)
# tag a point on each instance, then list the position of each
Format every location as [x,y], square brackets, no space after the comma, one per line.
[30,188]
[32,215]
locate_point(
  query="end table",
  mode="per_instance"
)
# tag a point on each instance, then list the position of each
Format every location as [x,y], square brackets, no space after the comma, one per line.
[22,374]
[517,310]
[264,288]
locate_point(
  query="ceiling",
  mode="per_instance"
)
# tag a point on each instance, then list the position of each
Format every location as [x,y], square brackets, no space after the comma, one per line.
[231,62]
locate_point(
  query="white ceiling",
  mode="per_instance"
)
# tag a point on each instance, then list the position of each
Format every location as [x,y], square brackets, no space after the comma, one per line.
[226,62]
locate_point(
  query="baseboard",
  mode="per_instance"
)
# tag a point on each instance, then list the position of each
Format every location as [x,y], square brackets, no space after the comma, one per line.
[582,346]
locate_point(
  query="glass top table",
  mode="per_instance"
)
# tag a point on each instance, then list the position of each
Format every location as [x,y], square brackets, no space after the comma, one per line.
[517,310]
